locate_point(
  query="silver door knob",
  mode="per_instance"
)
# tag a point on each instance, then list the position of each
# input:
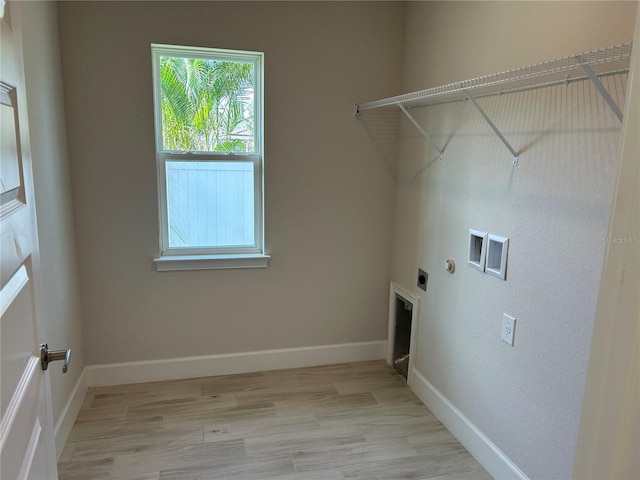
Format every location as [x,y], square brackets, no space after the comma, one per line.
[47,356]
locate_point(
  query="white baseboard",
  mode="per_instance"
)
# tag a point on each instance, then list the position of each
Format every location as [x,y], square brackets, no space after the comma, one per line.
[226,364]
[65,421]
[484,450]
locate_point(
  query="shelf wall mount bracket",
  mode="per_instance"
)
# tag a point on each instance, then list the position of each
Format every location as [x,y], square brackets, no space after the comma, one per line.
[421,130]
[514,161]
[603,91]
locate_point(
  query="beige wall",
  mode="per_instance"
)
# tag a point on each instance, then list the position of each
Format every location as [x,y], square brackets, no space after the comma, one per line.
[43,75]
[329,198]
[453,41]
[554,206]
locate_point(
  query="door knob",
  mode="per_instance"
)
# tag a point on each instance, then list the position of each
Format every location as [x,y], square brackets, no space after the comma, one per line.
[47,356]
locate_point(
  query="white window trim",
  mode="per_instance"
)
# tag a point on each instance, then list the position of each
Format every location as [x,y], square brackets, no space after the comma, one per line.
[169,263]
[253,256]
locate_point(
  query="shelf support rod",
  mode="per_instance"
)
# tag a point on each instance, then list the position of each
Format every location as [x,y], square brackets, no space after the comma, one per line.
[603,91]
[421,130]
[492,125]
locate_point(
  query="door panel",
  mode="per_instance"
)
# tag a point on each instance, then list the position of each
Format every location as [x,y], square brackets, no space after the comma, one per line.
[9,172]
[26,433]
[16,343]
[13,214]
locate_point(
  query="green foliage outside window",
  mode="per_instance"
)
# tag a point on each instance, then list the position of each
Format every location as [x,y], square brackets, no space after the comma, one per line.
[207,105]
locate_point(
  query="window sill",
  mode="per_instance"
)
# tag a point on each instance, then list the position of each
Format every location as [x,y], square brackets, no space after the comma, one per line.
[170,263]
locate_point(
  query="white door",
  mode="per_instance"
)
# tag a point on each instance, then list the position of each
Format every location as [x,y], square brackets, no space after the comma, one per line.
[28,450]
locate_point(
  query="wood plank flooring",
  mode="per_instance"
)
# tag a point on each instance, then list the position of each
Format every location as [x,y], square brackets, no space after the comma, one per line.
[351,421]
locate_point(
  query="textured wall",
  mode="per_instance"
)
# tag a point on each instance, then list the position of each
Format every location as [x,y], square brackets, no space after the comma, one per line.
[329,199]
[61,304]
[554,206]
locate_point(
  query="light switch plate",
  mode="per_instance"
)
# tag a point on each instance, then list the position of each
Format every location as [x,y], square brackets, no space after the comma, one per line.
[508,329]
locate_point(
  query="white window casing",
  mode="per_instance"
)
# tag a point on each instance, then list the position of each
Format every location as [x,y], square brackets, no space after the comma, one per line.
[217,198]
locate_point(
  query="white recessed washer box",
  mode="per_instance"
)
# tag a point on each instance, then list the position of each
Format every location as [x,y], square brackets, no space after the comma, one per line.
[497,249]
[477,249]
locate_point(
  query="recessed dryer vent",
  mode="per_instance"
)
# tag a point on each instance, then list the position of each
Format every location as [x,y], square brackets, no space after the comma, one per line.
[477,249]
[402,335]
[403,324]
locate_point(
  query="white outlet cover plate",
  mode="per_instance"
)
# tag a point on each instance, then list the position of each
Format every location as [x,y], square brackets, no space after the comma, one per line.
[508,329]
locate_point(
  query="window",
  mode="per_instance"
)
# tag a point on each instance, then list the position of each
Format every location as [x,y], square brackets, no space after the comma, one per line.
[209,144]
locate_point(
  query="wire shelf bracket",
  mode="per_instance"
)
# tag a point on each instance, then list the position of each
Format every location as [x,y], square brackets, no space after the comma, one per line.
[603,91]
[421,130]
[514,162]
[591,66]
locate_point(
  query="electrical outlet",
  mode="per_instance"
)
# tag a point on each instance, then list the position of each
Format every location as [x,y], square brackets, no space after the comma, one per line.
[508,329]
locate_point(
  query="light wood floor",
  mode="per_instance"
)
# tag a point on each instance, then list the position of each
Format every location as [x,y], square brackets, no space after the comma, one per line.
[352,421]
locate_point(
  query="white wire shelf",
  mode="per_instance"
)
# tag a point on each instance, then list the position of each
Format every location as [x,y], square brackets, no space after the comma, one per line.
[603,62]
[584,66]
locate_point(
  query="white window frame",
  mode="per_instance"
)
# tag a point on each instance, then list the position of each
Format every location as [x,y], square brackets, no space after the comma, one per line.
[252,256]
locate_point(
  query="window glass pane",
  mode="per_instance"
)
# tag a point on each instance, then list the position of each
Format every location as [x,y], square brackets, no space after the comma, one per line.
[210,204]
[207,104]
